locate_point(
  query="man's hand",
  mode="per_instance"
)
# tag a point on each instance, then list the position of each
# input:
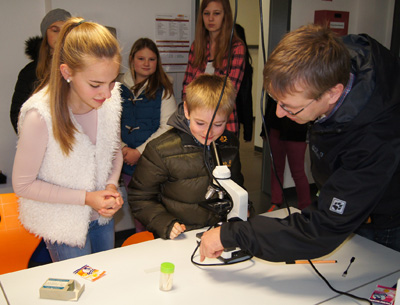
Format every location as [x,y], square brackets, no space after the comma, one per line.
[211,245]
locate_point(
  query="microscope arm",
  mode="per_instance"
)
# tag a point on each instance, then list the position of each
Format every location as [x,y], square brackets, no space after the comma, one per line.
[238,195]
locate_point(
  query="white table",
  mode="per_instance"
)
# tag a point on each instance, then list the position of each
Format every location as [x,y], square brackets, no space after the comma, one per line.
[133,275]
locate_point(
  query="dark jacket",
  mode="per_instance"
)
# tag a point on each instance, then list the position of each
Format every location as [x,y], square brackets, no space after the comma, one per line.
[171,178]
[27,80]
[244,103]
[355,157]
[244,98]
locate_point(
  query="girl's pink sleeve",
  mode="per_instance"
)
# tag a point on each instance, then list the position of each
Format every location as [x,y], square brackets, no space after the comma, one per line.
[116,169]
[32,143]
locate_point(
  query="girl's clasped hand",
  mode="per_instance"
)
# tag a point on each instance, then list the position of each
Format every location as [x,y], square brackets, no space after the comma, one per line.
[106,202]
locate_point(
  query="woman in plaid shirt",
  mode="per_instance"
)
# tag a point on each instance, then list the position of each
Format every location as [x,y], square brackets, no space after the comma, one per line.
[209,51]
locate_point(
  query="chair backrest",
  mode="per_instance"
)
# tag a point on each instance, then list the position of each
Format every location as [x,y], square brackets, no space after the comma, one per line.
[17,244]
[138,238]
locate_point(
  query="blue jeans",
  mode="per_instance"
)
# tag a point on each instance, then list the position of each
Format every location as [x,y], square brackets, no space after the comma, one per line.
[99,238]
[387,237]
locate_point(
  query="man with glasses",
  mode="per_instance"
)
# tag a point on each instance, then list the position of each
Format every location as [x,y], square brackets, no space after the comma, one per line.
[349,90]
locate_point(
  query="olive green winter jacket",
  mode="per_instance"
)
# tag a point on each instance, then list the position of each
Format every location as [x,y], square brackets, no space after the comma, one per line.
[171,179]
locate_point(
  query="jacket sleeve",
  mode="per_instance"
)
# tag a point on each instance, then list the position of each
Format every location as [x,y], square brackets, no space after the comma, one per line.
[244,102]
[237,68]
[346,200]
[23,90]
[144,193]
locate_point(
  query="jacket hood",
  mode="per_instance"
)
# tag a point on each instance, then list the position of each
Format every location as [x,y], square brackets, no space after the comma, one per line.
[127,79]
[32,47]
[179,121]
[375,90]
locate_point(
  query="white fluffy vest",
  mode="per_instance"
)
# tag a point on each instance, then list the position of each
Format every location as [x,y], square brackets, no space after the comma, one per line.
[87,167]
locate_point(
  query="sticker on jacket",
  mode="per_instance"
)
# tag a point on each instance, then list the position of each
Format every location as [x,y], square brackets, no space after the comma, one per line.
[337,205]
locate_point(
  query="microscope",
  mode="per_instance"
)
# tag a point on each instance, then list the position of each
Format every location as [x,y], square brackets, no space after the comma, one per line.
[232,204]
[236,202]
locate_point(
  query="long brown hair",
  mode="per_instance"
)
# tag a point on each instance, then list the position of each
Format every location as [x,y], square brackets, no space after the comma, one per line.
[202,34]
[78,40]
[158,78]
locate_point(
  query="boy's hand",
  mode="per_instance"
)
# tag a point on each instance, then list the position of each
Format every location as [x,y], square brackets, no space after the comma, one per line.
[177,229]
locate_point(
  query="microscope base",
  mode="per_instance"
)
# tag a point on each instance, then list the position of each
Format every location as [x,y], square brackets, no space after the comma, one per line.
[234,255]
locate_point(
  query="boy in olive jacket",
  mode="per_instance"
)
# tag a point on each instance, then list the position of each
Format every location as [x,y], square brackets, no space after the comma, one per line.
[171,177]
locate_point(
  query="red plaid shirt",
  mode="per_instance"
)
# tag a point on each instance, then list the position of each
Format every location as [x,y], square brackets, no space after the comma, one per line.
[235,74]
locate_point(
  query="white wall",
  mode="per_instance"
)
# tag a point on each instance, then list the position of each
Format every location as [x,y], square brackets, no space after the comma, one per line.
[19,19]
[374,17]
[132,19]
[248,17]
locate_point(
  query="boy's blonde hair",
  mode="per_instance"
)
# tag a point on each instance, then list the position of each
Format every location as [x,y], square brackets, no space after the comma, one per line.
[205,91]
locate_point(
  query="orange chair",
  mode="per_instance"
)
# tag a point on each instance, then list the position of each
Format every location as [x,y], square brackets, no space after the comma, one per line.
[138,238]
[17,244]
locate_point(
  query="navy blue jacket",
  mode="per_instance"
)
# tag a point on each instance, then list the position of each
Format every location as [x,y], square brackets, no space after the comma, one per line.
[139,120]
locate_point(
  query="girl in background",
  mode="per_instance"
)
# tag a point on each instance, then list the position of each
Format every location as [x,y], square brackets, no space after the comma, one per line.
[210,49]
[148,102]
[68,158]
[40,50]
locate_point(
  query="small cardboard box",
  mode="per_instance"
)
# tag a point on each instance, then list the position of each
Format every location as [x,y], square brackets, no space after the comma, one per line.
[61,289]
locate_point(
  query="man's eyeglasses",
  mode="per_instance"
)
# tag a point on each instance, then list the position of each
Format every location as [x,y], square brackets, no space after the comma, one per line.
[287,110]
